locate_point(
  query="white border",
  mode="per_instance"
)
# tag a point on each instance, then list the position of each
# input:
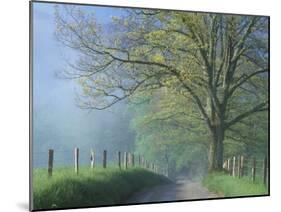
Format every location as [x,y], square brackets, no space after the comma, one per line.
[14,96]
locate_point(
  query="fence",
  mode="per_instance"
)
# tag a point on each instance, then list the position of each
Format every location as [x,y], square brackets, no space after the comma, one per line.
[129,160]
[240,166]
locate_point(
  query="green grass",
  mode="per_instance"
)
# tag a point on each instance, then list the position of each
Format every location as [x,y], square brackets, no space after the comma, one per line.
[90,188]
[229,186]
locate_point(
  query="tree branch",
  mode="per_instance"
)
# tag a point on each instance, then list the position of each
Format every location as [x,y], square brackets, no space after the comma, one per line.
[196,99]
[245,78]
[258,108]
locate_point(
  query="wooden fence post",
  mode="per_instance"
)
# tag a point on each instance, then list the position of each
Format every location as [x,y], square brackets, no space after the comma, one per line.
[245,165]
[132,159]
[139,160]
[242,166]
[76,160]
[125,160]
[254,170]
[228,165]
[104,159]
[265,171]
[233,166]
[224,165]
[128,159]
[238,166]
[92,158]
[50,162]
[119,159]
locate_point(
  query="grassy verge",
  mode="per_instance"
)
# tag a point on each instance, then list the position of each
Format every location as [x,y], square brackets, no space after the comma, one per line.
[90,188]
[231,187]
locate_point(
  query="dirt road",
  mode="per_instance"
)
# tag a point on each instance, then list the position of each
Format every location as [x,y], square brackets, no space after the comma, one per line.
[183,189]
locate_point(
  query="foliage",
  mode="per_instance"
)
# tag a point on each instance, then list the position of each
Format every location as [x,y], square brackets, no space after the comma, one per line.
[215,65]
[166,135]
[249,138]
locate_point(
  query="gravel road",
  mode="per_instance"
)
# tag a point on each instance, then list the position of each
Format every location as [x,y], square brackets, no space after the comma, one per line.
[183,189]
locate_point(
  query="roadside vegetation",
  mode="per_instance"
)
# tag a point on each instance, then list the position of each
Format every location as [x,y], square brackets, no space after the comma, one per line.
[228,186]
[91,187]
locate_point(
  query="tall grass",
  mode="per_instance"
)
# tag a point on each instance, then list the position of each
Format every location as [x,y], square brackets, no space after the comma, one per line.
[95,187]
[230,186]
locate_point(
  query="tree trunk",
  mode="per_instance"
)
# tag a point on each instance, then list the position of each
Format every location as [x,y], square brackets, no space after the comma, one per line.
[216,148]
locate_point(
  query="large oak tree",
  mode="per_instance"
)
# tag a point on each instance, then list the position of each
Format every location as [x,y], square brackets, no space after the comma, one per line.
[219,63]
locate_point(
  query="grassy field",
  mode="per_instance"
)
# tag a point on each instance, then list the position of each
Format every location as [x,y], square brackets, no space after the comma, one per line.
[231,187]
[91,188]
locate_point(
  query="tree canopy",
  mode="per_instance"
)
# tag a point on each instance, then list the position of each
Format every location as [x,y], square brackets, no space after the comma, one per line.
[207,71]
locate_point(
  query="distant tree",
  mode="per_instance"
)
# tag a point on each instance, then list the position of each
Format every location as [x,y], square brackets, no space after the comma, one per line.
[219,63]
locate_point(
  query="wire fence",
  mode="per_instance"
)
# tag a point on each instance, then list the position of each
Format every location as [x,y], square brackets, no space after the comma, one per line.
[240,166]
[53,159]
[236,166]
[64,158]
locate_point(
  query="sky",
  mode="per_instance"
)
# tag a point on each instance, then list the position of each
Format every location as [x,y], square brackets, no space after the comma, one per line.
[48,54]
[57,122]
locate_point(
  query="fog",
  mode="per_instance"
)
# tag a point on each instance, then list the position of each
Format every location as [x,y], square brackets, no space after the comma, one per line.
[63,127]
[57,121]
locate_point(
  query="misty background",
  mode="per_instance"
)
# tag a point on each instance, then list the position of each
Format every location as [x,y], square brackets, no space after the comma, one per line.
[57,122]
